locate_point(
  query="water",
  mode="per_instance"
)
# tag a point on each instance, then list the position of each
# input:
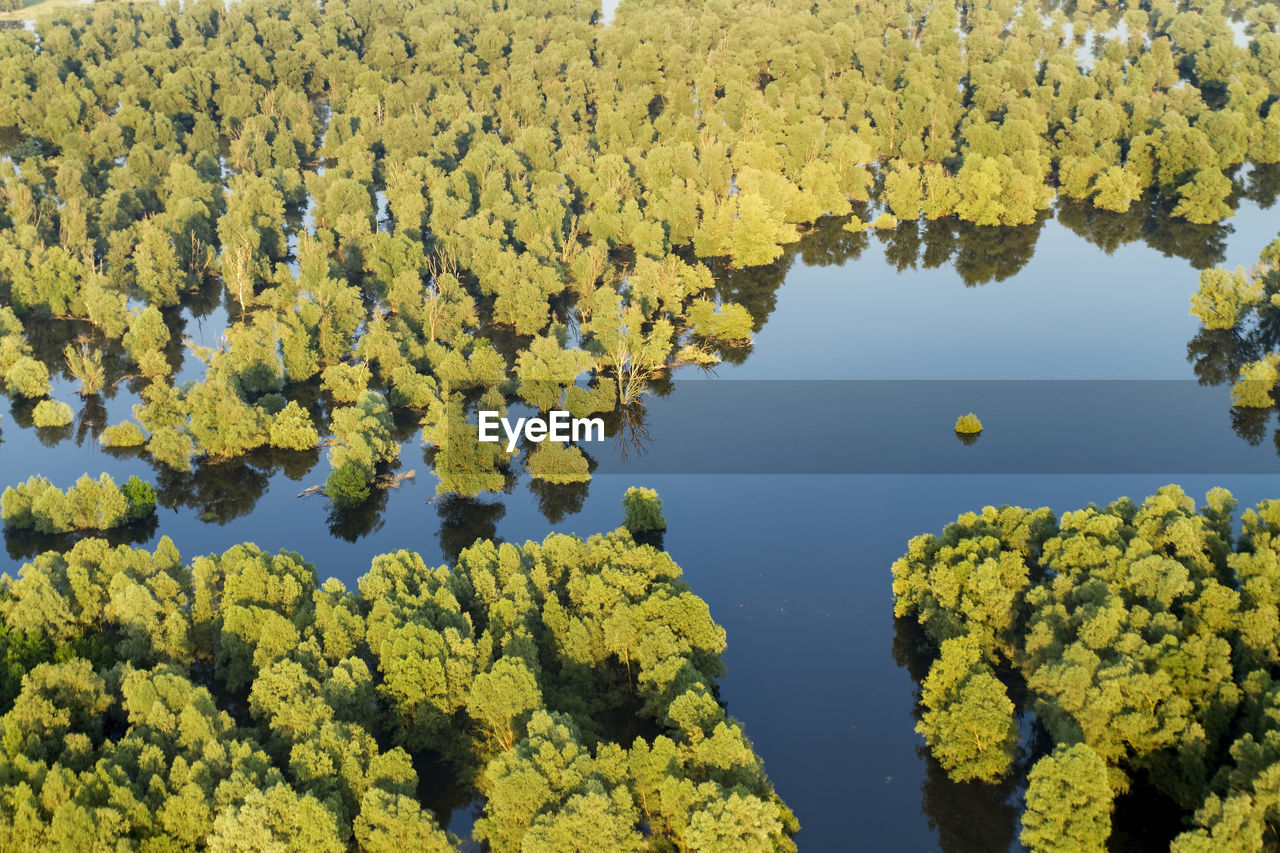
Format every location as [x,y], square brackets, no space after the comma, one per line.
[796,567]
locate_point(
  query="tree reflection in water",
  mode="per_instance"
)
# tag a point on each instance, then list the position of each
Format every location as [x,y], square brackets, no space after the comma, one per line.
[220,492]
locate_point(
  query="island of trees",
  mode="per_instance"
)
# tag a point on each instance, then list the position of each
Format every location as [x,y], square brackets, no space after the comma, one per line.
[1140,639]
[411,209]
[235,702]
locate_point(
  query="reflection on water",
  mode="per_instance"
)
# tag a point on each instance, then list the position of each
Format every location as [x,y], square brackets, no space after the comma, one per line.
[795,568]
[464,520]
[219,492]
[25,544]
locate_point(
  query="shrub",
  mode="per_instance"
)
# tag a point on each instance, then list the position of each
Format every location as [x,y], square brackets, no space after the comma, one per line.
[347,487]
[643,510]
[127,434]
[968,424]
[52,413]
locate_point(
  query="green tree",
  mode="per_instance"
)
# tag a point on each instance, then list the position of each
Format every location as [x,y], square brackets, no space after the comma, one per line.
[1068,801]
[968,721]
[643,509]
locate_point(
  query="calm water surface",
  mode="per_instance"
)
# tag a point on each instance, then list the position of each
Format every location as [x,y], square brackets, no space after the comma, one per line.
[796,567]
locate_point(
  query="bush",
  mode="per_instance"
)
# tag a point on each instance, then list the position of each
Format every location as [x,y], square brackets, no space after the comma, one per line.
[968,424]
[52,413]
[347,487]
[643,510]
[127,434]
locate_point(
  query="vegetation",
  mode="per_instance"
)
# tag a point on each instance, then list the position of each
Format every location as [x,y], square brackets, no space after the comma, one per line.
[1239,342]
[410,209]
[236,702]
[90,504]
[968,424]
[1142,639]
[124,434]
[52,413]
[643,509]
[30,10]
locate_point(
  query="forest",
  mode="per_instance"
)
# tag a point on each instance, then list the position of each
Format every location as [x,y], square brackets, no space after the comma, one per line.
[270,236]
[1140,640]
[410,210]
[237,702]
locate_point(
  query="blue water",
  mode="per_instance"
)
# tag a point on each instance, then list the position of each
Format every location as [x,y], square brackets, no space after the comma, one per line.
[796,568]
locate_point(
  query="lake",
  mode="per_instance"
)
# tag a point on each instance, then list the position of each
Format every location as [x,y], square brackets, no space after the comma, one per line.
[795,564]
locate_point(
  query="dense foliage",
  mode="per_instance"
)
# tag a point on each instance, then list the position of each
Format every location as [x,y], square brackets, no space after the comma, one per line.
[413,208]
[1142,638]
[90,504]
[237,702]
[1239,342]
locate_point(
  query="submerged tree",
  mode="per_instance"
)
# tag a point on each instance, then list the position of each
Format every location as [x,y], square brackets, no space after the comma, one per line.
[237,701]
[1143,636]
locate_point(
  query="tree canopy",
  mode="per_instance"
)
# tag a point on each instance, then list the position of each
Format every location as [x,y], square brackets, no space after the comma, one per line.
[443,205]
[238,702]
[1141,639]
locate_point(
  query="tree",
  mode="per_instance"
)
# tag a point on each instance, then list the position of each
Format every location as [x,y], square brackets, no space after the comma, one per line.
[363,441]
[275,819]
[52,413]
[27,377]
[1204,199]
[292,429]
[968,720]
[145,341]
[347,486]
[643,510]
[500,697]
[105,648]
[85,364]
[557,463]
[1068,801]
[1225,297]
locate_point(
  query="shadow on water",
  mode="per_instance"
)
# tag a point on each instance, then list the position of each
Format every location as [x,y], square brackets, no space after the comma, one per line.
[975,817]
[967,817]
[463,521]
[25,544]
[220,492]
